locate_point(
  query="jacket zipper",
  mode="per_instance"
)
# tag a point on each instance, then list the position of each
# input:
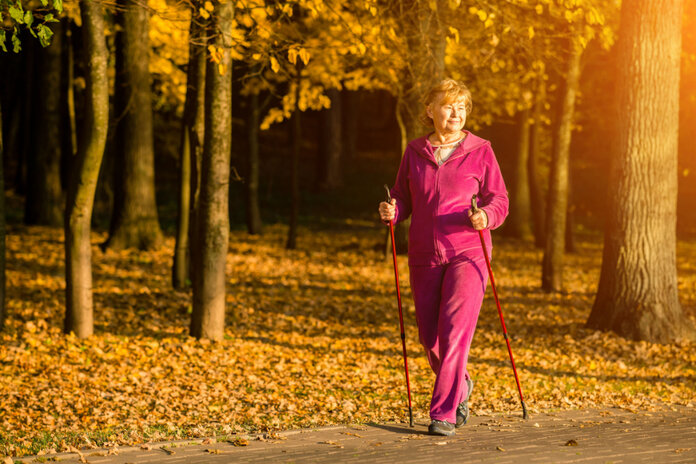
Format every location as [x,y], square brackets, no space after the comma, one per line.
[437,208]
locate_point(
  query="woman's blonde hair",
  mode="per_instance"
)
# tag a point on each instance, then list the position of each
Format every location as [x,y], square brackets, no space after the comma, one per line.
[451,92]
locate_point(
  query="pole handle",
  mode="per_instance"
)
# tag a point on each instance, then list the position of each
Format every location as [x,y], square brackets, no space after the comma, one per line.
[474,207]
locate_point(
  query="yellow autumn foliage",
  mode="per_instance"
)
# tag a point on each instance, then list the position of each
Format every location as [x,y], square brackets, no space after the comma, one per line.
[312,339]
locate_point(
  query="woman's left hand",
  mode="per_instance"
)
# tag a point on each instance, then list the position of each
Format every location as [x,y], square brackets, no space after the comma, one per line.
[478,219]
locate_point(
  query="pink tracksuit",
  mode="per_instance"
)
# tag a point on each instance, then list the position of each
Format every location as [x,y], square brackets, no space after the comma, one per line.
[448,270]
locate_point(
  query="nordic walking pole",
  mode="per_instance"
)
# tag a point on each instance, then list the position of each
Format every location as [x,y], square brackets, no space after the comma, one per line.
[500,311]
[401,317]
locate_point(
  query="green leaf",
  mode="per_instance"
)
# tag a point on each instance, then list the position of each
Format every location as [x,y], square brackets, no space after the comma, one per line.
[45,34]
[58,5]
[28,18]
[16,43]
[2,40]
[17,13]
[44,2]
[49,18]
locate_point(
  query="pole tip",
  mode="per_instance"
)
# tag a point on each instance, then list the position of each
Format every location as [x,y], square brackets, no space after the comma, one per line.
[410,416]
[525,415]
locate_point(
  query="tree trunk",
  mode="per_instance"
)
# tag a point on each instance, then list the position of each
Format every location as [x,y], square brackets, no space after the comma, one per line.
[134,222]
[192,132]
[296,136]
[253,212]
[70,89]
[3,307]
[180,269]
[26,143]
[570,219]
[519,221]
[349,104]
[212,228]
[638,290]
[552,269]
[329,166]
[44,200]
[536,182]
[423,73]
[78,213]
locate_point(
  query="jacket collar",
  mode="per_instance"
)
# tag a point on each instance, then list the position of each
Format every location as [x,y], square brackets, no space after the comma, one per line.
[425,149]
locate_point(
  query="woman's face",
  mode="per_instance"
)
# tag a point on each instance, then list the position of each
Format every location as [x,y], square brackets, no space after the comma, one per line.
[447,117]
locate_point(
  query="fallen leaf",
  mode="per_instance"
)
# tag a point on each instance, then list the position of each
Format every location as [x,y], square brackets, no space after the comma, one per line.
[499,448]
[213,451]
[571,443]
[331,442]
[240,442]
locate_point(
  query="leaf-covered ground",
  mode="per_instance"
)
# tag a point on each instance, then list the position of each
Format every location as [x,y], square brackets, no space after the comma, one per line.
[312,338]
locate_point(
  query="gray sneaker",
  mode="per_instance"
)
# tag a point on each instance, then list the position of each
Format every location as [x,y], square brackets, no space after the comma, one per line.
[438,427]
[463,408]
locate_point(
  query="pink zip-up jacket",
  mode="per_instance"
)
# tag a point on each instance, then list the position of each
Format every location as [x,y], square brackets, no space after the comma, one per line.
[438,198]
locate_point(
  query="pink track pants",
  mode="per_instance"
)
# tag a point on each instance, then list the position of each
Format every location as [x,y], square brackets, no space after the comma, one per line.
[448,300]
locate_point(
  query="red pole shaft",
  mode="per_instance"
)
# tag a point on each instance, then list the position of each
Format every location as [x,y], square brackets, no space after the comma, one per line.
[401,323]
[502,322]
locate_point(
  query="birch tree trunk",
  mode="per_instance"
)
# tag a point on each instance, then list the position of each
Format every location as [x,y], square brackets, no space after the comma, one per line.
[638,290]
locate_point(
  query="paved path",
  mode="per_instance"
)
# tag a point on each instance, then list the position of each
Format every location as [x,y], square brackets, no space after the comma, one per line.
[594,436]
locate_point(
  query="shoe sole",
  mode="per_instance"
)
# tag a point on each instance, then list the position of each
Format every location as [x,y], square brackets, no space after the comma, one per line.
[441,434]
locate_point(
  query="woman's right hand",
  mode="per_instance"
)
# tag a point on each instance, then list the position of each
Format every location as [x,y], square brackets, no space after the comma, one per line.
[387,211]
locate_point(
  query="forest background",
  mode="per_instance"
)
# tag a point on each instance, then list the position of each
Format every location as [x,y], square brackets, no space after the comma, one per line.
[236,153]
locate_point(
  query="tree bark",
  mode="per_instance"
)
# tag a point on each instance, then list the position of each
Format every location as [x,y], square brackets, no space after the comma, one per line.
[70,89]
[192,133]
[536,181]
[25,143]
[557,203]
[44,199]
[329,165]
[253,212]
[78,213]
[180,268]
[638,289]
[212,228]
[134,222]
[570,219]
[296,136]
[519,221]
[350,101]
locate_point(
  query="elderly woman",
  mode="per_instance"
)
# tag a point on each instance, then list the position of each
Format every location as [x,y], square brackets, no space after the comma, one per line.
[438,175]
